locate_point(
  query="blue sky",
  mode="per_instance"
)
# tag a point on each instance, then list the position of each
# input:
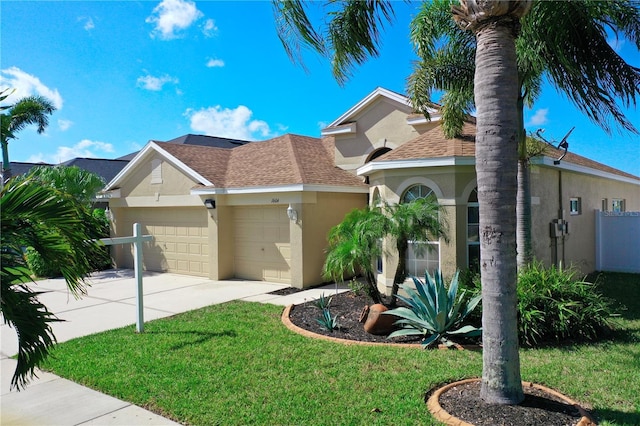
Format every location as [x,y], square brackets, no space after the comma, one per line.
[124,72]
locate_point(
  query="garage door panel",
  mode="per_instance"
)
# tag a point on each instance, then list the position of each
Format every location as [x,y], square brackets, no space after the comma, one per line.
[262,246]
[180,242]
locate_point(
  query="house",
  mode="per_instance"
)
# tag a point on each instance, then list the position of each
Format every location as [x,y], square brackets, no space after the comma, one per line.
[262,210]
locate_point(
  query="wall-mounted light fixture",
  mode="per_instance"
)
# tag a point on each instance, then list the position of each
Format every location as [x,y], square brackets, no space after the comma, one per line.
[292,213]
[210,203]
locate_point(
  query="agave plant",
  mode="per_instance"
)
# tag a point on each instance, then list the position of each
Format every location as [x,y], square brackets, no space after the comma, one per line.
[327,321]
[434,312]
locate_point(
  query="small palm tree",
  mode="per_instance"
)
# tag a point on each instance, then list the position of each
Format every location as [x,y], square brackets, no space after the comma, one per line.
[27,111]
[353,244]
[419,221]
[56,226]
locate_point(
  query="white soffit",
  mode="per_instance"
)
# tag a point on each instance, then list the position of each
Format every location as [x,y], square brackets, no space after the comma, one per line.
[280,189]
[565,165]
[140,157]
[375,166]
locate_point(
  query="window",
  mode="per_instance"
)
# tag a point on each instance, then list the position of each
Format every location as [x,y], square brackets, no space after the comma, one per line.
[421,256]
[617,205]
[473,231]
[416,192]
[605,205]
[575,206]
[156,171]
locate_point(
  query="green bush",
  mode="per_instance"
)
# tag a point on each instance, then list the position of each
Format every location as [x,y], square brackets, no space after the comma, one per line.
[38,266]
[554,306]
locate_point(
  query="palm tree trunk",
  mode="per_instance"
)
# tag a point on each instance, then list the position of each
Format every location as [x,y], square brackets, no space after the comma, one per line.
[6,166]
[496,95]
[523,202]
[401,271]
[523,213]
[372,287]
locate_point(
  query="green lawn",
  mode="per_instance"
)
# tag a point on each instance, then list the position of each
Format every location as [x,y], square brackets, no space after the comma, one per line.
[236,363]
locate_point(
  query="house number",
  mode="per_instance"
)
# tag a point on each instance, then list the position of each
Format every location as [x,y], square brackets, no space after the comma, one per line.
[275,200]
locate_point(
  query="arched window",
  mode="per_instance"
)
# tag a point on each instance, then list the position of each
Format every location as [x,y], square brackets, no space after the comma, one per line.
[427,257]
[416,192]
[473,231]
[377,153]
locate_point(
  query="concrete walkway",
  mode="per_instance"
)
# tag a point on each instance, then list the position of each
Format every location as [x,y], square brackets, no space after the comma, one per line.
[110,303]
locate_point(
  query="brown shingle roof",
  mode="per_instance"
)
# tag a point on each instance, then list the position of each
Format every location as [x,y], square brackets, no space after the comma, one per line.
[285,160]
[433,144]
[209,162]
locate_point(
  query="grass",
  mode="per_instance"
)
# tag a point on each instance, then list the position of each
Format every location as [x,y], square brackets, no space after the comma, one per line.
[236,363]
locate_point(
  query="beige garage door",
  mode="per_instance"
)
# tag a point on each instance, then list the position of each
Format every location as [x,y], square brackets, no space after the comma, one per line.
[180,242]
[262,249]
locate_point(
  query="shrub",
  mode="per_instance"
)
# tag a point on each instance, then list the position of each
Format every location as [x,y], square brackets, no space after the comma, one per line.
[554,306]
[327,321]
[323,302]
[434,311]
[38,266]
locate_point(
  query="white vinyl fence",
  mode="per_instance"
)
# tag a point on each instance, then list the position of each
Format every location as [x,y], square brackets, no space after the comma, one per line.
[618,241]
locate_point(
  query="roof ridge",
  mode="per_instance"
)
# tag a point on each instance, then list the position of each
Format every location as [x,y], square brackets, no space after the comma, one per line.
[293,151]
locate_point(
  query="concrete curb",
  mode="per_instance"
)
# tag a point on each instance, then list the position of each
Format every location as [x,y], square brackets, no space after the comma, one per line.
[291,326]
[443,416]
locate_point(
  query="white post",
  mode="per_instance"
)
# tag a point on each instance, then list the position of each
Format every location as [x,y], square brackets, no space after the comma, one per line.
[137,265]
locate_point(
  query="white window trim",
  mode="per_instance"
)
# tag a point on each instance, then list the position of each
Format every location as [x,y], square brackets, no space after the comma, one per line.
[578,204]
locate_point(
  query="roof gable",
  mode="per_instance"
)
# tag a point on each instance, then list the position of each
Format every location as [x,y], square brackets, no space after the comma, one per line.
[171,152]
[402,101]
[285,160]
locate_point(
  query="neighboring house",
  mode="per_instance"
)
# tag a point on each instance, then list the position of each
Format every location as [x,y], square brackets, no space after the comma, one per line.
[21,168]
[378,150]
[200,140]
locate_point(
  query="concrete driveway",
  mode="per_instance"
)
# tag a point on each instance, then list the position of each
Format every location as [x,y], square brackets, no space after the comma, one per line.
[110,303]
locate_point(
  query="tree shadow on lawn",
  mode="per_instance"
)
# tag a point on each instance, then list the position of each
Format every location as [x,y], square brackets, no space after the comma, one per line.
[617,417]
[199,337]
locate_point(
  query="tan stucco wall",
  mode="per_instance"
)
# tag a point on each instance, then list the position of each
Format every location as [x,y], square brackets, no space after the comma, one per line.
[579,246]
[452,185]
[317,220]
[174,181]
[382,124]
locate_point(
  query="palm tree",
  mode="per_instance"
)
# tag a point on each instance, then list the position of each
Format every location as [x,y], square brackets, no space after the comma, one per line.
[55,225]
[419,221]
[353,244]
[567,37]
[578,66]
[82,184]
[495,25]
[27,111]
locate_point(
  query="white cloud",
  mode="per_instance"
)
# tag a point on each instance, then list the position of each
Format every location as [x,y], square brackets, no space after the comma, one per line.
[88,23]
[172,16]
[322,125]
[85,148]
[228,123]
[213,63]
[150,82]
[209,29]
[64,124]
[539,118]
[27,85]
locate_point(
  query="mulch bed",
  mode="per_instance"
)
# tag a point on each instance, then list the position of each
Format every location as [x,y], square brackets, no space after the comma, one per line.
[463,402]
